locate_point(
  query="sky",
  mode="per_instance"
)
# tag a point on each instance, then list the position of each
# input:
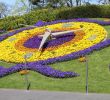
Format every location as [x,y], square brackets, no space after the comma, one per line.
[9,2]
[12,2]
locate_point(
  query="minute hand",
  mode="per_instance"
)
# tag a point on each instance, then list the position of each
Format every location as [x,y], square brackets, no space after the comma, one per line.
[65,32]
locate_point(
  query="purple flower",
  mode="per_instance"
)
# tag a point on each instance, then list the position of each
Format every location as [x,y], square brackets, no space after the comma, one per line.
[39,23]
[31,43]
[42,69]
[41,66]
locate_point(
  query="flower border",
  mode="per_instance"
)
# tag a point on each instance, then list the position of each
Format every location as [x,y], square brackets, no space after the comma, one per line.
[41,23]
[40,66]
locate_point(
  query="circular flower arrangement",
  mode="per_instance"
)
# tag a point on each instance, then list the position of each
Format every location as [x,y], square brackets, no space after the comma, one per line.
[25,42]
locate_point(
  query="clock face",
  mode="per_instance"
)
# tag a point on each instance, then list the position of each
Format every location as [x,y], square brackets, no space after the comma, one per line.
[26,43]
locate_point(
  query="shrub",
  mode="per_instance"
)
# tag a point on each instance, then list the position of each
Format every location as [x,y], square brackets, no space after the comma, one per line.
[90,11]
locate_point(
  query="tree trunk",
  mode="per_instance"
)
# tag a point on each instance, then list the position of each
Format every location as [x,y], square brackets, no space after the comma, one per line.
[80,3]
[0,15]
[43,2]
[71,2]
[77,2]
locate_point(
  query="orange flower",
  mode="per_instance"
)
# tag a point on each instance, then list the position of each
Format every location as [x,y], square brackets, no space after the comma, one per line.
[23,72]
[19,45]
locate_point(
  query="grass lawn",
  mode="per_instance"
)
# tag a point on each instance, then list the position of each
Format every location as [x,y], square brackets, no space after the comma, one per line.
[99,75]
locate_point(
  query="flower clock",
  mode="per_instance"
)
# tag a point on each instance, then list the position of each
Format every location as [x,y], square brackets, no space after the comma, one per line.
[25,42]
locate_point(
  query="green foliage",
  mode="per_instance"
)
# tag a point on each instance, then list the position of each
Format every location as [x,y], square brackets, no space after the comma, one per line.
[10,23]
[91,11]
[34,16]
[106,11]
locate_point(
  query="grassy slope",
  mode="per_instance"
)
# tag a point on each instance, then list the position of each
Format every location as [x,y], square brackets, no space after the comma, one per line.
[99,75]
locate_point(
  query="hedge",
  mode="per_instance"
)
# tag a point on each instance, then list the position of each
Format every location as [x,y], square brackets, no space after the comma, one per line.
[92,11]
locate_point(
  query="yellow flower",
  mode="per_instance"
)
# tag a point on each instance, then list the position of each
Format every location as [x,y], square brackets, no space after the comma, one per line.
[94,34]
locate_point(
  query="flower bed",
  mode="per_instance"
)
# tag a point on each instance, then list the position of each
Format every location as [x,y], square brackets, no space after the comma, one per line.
[25,42]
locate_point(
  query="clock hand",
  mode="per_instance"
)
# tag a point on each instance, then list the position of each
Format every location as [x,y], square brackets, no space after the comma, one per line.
[48,33]
[45,37]
[64,32]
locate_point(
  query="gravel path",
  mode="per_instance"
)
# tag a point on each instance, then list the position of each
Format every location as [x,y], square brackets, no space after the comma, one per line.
[46,95]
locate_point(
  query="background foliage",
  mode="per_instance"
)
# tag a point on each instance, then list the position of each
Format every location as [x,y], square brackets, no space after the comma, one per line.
[91,11]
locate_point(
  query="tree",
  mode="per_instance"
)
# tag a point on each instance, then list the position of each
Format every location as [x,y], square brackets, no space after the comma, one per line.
[60,3]
[104,1]
[20,7]
[3,9]
[69,3]
[34,2]
[79,2]
[53,3]
[37,3]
